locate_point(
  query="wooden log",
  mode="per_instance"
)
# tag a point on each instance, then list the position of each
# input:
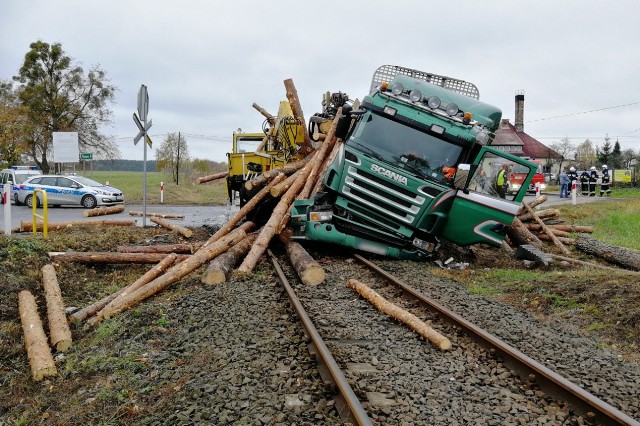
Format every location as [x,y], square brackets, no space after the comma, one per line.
[589,264]
[520,235]
[108,257]
[282,187]
[221,266]
[400,314]
[323,169]
[270,117]
[265,177]
[162,215]
[296,108]
[555,239]
[534,227]
[536,202]
[185,232]
[621,256]
[209,178]
[324,150]
[562,227]
[96,307]
[177,272]
[280,215]
[101,211]
[240,214]
[542,214]
[59,332]
[318,159]
[35,341]
[161,248]
[27,226]
[153,273]
[309,271]
[563,240]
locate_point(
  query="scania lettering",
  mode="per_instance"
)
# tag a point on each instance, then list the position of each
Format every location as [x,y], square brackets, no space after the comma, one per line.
[388,173]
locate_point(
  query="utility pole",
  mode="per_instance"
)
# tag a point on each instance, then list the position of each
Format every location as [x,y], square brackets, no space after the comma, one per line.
[178,162]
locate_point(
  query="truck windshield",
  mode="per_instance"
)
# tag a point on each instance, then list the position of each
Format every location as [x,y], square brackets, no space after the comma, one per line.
[405,146]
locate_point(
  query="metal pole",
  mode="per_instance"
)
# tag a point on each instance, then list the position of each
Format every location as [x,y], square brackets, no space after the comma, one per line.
[144,180]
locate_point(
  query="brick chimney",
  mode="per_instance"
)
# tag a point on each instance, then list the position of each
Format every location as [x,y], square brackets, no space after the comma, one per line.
[519,120]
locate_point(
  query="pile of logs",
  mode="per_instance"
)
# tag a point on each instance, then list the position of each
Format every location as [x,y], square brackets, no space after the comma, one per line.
[232,247]
[535,227]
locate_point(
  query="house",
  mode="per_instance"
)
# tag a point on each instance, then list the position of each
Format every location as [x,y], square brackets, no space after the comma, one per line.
[512,138]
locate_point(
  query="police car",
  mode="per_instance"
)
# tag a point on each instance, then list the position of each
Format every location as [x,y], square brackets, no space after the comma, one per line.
[16,175]
[68,190]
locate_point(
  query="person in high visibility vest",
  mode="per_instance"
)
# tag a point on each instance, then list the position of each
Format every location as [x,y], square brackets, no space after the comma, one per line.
[606,180]
[502,181]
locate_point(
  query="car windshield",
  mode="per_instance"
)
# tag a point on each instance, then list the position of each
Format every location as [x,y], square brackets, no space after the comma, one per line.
[86,181]
[405,146]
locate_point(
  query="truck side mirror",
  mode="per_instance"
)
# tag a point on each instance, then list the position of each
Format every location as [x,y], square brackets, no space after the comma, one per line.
[461,178]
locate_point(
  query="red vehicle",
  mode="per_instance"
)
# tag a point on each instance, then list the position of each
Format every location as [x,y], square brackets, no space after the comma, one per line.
[517,174]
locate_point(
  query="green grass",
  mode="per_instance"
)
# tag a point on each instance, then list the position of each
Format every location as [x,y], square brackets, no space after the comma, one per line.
[616,222]
[186,193]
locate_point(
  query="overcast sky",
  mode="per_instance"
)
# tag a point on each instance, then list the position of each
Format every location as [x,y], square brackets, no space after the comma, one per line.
[206,62]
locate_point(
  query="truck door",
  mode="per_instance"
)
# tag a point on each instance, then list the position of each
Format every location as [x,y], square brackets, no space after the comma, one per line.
[479,214]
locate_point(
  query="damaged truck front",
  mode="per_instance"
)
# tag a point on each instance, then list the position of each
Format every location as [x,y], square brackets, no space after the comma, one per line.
[415,168]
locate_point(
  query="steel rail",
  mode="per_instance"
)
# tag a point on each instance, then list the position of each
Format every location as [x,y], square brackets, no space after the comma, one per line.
[357,411]
[594,408]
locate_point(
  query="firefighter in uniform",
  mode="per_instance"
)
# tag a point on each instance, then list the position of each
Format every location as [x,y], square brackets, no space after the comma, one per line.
[573,178]
[606,180]
[593,180]
[584,183]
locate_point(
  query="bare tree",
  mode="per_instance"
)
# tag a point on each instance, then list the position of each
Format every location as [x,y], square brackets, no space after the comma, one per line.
[173,156]
[564,148]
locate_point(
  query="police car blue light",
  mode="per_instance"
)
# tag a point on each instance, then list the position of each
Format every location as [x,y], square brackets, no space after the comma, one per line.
[69,190]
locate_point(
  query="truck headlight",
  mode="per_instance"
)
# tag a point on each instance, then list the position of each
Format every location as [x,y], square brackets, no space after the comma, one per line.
[516,186]
[322,216]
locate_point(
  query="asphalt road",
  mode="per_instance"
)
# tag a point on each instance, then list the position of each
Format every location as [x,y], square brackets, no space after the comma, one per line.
[194,216]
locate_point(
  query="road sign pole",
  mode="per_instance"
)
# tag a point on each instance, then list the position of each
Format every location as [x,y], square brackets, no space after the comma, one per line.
[144,183]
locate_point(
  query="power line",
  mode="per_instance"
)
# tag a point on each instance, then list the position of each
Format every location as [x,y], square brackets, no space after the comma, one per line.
[583,112]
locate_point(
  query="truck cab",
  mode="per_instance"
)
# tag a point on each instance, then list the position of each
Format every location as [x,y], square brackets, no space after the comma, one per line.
[414,168]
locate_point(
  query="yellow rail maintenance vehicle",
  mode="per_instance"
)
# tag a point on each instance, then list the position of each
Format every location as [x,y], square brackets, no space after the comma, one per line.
[254,153]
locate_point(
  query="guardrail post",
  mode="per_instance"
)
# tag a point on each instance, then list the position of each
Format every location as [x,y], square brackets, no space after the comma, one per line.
[45,214]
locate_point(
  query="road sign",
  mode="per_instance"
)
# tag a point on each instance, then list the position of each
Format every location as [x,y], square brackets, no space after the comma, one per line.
[86,156]
[142,130]
[148,139]
[143,103]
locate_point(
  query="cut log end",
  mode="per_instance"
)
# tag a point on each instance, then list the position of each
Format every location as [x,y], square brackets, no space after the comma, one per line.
[213,277]
[313,275]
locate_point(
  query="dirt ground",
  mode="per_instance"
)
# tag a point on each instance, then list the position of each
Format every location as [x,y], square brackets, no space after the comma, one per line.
[596,302]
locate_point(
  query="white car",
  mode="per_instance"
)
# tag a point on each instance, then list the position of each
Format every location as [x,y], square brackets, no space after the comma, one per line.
[68,190]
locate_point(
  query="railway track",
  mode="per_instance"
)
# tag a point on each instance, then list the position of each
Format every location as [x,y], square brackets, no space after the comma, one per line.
[386,374]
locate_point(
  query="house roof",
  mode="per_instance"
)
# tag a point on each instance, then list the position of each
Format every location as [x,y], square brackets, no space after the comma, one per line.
[507,135]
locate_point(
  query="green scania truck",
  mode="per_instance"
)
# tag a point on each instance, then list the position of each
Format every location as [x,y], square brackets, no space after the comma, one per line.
[415,167]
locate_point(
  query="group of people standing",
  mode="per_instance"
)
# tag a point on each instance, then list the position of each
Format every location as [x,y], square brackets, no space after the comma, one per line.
[588,182]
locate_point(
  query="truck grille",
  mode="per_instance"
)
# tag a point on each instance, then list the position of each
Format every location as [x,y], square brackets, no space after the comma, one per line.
[386,197]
